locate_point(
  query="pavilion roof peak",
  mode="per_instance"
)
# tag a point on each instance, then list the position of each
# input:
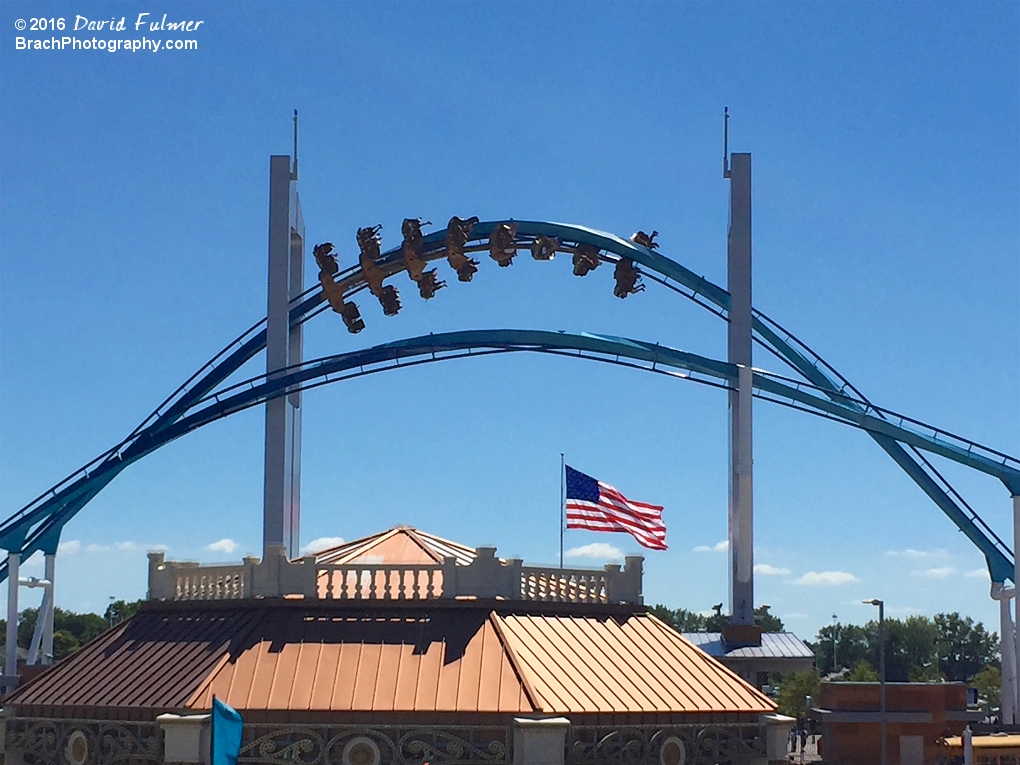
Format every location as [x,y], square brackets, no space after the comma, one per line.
[401,544]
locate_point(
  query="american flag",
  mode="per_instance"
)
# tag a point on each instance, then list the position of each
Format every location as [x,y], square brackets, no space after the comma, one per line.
[597,506]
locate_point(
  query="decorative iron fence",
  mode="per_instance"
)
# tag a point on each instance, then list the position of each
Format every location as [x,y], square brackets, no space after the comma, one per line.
[45,741]
[374,745]
[667,745]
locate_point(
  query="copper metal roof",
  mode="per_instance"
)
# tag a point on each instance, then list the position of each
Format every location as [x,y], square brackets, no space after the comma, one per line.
[419,662]
[629,664]
[401,544]
[460,657]
[155,661]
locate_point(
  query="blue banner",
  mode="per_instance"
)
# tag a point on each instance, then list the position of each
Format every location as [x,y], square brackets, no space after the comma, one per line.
[226,733]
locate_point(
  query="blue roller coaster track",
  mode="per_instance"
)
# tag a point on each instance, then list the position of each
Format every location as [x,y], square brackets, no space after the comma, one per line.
[818,388]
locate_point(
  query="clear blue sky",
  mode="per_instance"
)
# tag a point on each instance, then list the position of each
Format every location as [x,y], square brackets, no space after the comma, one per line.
[133,217]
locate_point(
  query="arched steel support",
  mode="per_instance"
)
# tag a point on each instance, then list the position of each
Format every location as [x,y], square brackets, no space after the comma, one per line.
[431,348]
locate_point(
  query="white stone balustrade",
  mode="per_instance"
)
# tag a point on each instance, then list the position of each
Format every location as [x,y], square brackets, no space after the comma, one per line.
[485,577]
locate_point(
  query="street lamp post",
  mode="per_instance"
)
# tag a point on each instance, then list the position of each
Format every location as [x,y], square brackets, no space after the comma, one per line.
[881,672]
[835,664]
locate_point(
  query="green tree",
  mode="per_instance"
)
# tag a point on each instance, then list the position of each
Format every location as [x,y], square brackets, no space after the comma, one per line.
[964,648]
[794,689]
[120,610]
[989,687]
[863,673]
[768,622]
[64,644]
[82,627]
[850,643]
[681,619]
[911,649]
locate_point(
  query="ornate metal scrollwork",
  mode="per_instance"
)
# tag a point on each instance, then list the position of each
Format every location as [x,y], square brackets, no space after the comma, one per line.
[627,279]
[680,745]
[457,232]
[502,244]
[586,259]
[44,741]
[545,247]
[374,745]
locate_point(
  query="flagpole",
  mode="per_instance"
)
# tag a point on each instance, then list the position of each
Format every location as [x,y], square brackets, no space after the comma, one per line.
[562,506]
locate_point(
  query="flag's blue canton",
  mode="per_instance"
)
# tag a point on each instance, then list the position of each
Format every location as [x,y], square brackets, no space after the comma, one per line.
[581,486]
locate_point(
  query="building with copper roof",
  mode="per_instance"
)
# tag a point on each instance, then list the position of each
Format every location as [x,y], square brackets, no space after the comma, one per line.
[397,648]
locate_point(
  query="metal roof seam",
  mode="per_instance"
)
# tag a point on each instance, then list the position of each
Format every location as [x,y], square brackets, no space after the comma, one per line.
[690,694]
[579,700]
[315,673]
[716,666]
[426,548]
[209,638]
[554,695]
[336,678]
[662,690]
[256,656]
[203,687]
[515,662]
[711,673]
[579,626]
[554,647]
[634,701]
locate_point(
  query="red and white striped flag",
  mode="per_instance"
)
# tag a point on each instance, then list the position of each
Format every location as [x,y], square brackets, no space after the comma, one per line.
[597,506]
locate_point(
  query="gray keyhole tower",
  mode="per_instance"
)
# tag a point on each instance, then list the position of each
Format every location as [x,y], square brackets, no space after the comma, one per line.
[282,485]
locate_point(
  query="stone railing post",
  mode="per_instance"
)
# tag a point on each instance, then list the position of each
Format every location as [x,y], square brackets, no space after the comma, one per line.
[777,729]
[625,586]
[614,592]
[450,585]
[250,564]
[486,576]
[185,738]
[161,579]
[276,576]
[516,566]
[540,741]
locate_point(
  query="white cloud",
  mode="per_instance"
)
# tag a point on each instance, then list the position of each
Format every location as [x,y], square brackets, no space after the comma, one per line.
[127,546]
[320,544]
[35,560]
[597,550]
[766,570]
[717,547]
[911,553]
[795,617]
[936,573]
[978,573]
[826,578]
[224,545]
[69,547]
